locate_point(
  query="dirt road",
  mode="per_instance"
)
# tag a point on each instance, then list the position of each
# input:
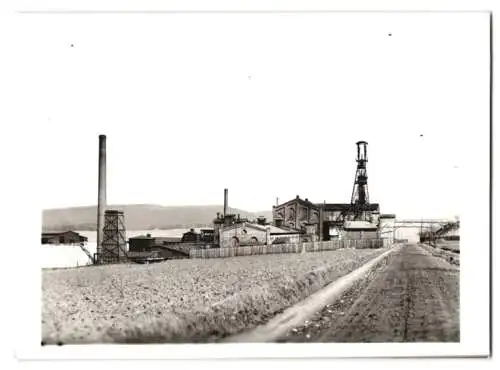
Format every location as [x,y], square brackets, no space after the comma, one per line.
[411,296]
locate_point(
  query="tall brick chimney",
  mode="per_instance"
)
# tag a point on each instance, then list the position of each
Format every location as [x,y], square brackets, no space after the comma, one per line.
[101,194]
[225,203]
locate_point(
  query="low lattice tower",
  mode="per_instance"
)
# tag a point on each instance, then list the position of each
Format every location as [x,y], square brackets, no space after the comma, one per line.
[114,242]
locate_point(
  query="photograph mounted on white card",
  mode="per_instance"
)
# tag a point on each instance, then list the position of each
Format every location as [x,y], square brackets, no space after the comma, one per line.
[262,178]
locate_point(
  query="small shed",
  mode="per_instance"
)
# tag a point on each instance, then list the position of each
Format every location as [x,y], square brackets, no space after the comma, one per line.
[64,237]
[360,230]
[191,237]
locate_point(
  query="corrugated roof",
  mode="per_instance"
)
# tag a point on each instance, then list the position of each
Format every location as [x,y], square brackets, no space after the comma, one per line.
[51,234]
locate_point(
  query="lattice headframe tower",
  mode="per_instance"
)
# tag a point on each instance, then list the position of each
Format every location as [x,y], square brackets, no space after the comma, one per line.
[114,244]
[360,196]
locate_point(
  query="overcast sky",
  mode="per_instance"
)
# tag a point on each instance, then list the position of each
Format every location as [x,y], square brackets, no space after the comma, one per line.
[266,105]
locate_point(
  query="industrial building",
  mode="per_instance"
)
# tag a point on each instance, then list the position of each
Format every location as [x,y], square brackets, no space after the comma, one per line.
[300,220]
[450,231]
[205,236]
[65,237]
[296,213]
[295,221]
[247,233]
[360,230]
[230,230]
[446,232]
[165,247]
[358,219]
[327,220]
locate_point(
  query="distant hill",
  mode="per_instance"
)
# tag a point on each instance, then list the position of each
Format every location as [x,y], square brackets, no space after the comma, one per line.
[140,216]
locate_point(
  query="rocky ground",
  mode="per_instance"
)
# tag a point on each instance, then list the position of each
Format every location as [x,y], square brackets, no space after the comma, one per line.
[183,300]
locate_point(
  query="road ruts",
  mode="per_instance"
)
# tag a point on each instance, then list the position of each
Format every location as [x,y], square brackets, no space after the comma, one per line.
[411,297]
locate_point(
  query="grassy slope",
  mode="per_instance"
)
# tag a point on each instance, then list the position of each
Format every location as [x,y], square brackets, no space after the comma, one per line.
[186,300]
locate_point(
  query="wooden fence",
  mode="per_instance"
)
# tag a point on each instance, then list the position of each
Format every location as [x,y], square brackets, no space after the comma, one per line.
[287,248]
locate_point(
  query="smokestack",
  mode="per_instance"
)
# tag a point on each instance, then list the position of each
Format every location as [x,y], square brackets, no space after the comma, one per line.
[101,196]
[225,203]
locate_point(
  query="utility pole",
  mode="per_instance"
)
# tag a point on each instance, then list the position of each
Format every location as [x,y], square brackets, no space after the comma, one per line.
[421,229]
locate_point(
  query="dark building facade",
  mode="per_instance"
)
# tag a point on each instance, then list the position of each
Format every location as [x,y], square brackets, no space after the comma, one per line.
[295,213]
[141,243]
[191,237]
[327,219]
[165,247]
[146,243]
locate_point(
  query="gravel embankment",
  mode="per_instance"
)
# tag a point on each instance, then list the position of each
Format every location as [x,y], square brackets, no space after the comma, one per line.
[448,255]
[183,300]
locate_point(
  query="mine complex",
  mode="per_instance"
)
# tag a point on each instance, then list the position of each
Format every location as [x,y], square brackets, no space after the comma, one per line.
[295,221]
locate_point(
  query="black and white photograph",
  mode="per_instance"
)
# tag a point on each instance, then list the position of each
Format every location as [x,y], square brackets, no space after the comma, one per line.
[233,179]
